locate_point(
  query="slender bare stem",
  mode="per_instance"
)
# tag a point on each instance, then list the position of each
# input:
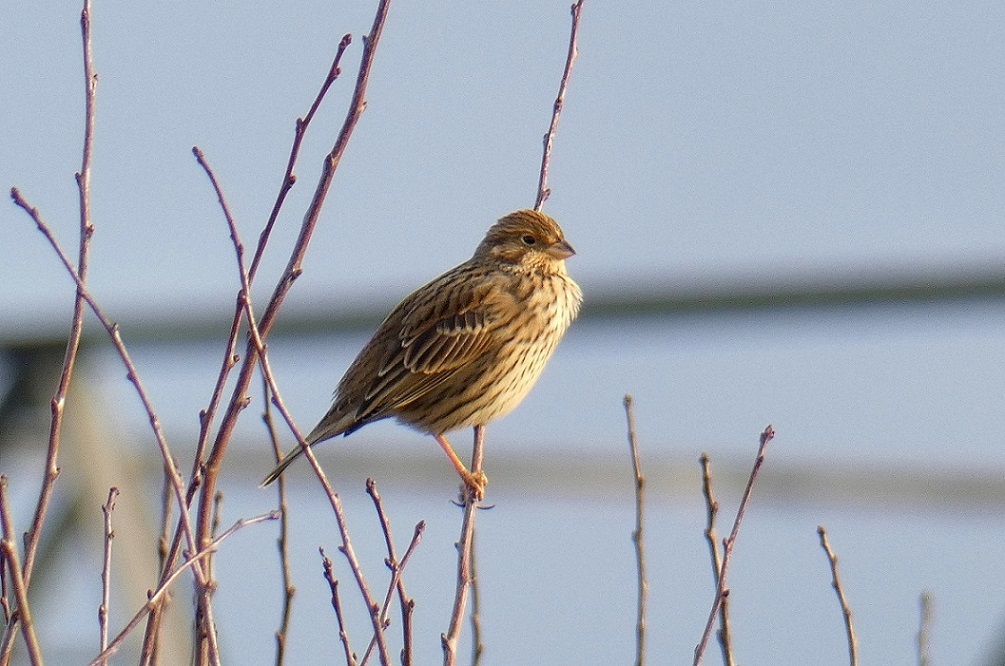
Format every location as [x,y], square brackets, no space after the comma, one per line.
[282,542]
[8,550]
[925,630]
[638,534]
[350,657]
[725,642]
[465,548]
[477,646]
[155,597]
[106,569]
[543,191]
[723,591]
[842,599]
[57,405]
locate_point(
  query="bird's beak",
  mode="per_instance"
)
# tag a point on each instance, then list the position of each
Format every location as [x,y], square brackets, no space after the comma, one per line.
[560,250]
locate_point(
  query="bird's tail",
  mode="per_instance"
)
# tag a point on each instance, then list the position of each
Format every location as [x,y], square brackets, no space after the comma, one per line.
[283,464]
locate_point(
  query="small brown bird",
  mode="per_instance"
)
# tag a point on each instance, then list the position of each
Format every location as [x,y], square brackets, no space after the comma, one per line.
[467,347]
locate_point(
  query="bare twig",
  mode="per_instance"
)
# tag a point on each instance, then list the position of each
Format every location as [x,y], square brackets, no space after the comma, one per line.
[282,542]
[465,547]
[8,549]
[154,598]
[725,642]
[722,592]
[106,569]
[290,178]
[543,191]
[477,646]
[350,656]
[925,630]
[845,608]
[637,535]
[4,600]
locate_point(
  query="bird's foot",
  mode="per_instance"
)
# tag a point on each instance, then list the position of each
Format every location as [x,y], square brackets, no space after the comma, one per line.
[474,483]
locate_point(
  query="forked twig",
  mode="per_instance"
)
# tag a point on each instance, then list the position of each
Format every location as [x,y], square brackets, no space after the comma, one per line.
[637,535]
[543,191]
[722,592]
[845,608]
[712,506]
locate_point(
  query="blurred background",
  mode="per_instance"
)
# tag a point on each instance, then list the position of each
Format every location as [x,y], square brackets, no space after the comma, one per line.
[785,213]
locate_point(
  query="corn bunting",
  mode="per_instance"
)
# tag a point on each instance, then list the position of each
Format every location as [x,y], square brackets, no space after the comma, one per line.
[466,348]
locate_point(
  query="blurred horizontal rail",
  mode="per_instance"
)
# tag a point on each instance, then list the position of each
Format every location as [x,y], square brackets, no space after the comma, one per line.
[602,303]
[871,486]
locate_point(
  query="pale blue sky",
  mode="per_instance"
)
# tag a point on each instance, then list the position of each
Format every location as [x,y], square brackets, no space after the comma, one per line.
[700,142]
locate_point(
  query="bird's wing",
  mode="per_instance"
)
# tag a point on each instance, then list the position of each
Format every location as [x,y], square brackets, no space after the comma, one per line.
[440,329]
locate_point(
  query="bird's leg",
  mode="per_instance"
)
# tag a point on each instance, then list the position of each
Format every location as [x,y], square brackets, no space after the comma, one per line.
[475,481]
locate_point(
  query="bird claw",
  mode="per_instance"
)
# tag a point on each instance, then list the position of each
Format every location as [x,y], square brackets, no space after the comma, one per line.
[474,483]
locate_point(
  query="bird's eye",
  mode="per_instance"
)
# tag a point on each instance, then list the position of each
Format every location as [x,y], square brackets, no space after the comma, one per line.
[528,240]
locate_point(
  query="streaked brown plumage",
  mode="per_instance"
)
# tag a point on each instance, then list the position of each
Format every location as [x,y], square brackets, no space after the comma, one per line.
[465,348]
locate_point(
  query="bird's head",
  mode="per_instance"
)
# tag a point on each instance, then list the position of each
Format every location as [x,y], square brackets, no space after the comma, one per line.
[526,237]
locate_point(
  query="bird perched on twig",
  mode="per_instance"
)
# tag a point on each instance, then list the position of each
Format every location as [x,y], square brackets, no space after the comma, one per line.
[466,348]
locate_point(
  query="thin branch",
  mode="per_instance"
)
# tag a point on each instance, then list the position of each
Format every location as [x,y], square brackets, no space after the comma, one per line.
[637,535]
[106,569]
[350,656]
[282,542]
[723,634]
[290,178]
[477,645]
[722,592]
[4,600]
[155,597]
[845,608]
[8,549]
[465,549]
[543,191]
[925,630]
